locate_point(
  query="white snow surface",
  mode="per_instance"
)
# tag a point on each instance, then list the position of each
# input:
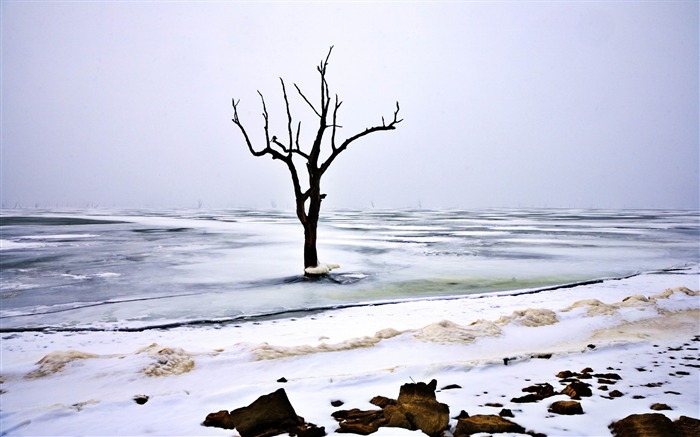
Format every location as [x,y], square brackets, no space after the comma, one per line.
[83,383]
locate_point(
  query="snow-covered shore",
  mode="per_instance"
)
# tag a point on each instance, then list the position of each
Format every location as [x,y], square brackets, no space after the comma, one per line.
[644,328]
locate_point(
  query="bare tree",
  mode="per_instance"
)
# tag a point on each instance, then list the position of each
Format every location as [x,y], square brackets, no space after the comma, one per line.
[308,201]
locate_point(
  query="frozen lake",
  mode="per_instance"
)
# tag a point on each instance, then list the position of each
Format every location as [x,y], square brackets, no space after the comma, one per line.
[133,269]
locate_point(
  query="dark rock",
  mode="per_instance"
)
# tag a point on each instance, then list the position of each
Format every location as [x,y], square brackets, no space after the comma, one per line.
[687,426]
[608,376]
[506,413]
[462,415]
[359,422]
[542,356]
[565,374]
[270,415]
[493,404]
[638,397]
[660,407]
[537,393]
[451,387]
[577,389]
[654,384]
[587,370]
[616,394]
[591,346]
[485,423]
[219,419]
[337,403]
[382,401]
[282,380]
[566,407]
[140,399]
[603,388]
[417,408]
[607,381]
[309,430]
[643,425]
[529,398]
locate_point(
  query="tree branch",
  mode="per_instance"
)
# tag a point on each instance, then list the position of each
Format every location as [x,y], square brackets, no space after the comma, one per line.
[306,100]
[347,142]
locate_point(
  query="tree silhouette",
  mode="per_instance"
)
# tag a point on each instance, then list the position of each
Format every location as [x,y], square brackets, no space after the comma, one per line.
[289,152]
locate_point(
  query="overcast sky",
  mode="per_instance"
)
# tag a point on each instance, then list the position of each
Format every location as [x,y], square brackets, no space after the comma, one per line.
[558,104]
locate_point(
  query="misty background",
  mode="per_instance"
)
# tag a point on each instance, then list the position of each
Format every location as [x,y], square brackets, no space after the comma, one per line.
[532,104]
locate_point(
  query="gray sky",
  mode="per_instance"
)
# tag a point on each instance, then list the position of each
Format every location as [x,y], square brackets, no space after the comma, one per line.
[559,104]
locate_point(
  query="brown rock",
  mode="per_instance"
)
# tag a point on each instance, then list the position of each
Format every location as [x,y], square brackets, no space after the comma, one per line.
[643,425]
[337,403]
[577,389]
[565,374]
[417,408]
[660,407]
[537,393]
[616,394]
[219,419]
[382,401]
[566,407]
[506,413]
[269,415]
[359,422]
[687,426]
[485,423]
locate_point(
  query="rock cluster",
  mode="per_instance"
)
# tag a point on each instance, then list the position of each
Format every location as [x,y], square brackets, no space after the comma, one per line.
[415,409]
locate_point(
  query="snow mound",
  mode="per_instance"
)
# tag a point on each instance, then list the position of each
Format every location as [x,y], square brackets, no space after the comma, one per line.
[447,331]
[168,361]
[594,307]
[54,362]
[266,351]
[531,317]
[321,269]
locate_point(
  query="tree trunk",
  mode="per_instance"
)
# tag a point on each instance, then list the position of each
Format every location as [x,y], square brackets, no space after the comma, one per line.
[310,254]
[311,223]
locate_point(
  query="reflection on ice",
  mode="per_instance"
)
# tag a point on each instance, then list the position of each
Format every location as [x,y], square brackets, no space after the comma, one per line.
[143,268]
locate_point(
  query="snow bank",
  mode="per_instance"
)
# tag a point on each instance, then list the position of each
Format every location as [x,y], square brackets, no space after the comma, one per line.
[644,329]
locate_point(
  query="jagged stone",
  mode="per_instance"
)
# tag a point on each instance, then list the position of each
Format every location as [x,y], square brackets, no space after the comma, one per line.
[566,407]
[267,416]
[417,408]
[269,413]
[487,424]
[577,390]
[359,422]
[537,393]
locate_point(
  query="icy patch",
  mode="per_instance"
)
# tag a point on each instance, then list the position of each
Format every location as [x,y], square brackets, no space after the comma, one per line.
[54,362]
